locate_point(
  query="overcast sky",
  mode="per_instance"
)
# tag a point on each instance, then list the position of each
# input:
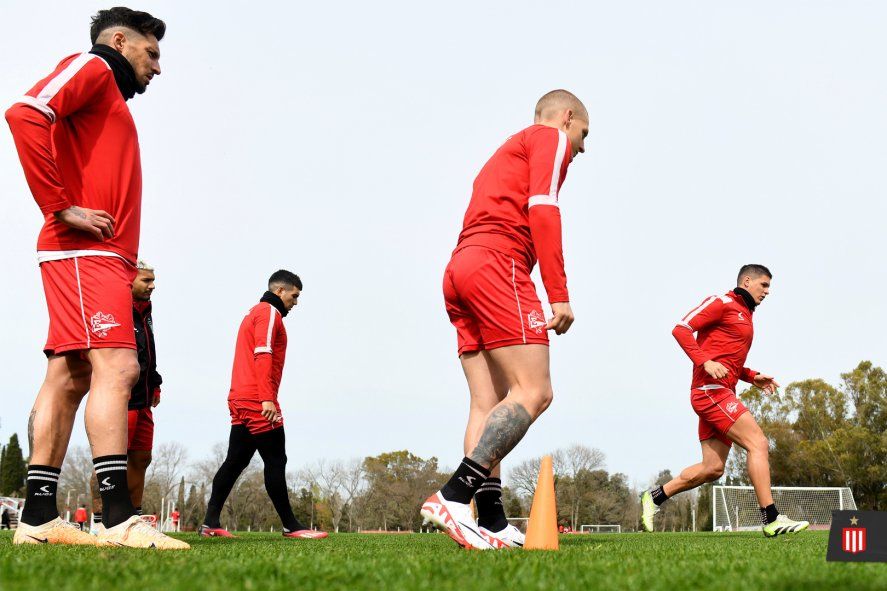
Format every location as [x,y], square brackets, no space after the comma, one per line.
[340,140]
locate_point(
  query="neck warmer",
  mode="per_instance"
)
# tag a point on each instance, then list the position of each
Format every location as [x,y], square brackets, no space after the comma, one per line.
[746,297]
[124,74]
[275,301]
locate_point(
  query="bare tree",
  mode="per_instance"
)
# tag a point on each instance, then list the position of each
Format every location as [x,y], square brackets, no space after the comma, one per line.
[164,473]
[523,476]
[353,485]
[329,477]
[76,472]
[569,465]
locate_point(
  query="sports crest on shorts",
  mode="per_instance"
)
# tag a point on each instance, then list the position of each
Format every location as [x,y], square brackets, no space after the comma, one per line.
[102,323]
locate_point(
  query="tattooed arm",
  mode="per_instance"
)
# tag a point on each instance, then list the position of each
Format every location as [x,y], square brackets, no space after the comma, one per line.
[505,427]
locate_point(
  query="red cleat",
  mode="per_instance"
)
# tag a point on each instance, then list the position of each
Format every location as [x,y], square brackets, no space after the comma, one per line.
[306,534]
[214,532]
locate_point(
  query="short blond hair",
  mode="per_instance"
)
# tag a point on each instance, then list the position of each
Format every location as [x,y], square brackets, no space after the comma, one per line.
[558,100]
[142,265]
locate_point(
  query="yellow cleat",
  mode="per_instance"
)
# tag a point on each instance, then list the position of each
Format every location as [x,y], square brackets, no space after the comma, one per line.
[135,533]
[57,531]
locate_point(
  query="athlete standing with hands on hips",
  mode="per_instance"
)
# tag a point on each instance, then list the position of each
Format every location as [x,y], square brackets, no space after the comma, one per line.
[724,328]
[79,148]
[512,221]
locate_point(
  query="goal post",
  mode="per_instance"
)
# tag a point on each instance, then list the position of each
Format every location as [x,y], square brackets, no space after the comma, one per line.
[601,528]
[735,508]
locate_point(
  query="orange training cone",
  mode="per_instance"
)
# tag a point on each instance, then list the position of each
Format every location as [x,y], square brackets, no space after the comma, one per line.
[542,529]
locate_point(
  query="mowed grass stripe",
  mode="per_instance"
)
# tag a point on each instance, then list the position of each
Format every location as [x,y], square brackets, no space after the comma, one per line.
[665,561]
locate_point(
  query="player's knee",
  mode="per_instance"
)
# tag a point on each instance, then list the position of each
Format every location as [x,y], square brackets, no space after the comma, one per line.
[758,444]
[542,399]
[713,473]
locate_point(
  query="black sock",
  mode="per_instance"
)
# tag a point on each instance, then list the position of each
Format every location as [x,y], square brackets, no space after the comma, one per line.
[110,471]
[138,510]
[465,481]
[97,517]
[40,506]
[658,495]
[241,448]
[488,500]
[272,447]
[769,514]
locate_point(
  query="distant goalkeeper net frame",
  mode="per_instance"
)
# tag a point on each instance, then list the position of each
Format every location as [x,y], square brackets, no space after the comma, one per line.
[735,508]
[600,528]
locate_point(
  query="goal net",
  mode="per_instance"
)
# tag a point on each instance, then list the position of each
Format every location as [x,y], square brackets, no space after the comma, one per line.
[596,528]
[735,508]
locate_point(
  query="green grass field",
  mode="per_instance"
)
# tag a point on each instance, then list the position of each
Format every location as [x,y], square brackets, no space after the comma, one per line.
[675,562]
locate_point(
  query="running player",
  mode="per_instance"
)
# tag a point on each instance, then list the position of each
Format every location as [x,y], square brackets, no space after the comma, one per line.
[145,395]
[256,420]
[512,221]
[79,149]
[723,324]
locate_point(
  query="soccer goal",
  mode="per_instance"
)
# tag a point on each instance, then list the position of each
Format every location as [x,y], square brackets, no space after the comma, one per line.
[600,528]
[735,508]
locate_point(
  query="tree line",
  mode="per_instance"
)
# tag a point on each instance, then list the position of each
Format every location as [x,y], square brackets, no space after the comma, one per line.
[821,435]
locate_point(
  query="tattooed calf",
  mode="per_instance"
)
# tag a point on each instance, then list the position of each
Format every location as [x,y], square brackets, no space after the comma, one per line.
[505,427]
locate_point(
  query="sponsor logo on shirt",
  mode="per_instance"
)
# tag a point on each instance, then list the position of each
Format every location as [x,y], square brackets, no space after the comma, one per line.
[740,316]
[102,323]
[536,321]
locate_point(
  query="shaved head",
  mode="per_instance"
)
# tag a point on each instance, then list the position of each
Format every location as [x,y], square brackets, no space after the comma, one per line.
[557,101]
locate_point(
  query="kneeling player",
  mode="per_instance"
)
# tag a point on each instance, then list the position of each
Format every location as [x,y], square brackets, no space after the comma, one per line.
[256,420]
[724,335]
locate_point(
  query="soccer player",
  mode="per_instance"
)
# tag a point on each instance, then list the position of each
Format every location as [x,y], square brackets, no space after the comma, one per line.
[513,220]
[144,396]
[79,149]
[256,419]
[724,328]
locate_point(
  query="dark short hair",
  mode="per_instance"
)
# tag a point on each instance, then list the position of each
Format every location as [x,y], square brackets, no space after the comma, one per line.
[284,277]
[753,271]
[120,16]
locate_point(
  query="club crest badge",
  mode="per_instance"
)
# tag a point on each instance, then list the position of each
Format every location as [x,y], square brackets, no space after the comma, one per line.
[536,321]
[102,323]
[731,407]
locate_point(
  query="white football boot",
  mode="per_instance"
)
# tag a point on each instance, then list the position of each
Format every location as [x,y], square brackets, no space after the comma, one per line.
[512,536]
[456,520]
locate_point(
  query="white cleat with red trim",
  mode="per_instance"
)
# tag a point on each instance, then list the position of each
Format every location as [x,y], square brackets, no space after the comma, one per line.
[456,520]
[510,536]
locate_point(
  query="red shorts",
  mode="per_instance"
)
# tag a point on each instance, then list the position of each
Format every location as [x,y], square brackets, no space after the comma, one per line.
[90,303]
[492,301]
[718,409]
[249,414]
[141,430]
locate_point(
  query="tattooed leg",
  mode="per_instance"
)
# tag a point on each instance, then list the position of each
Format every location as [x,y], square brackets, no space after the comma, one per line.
[505,427]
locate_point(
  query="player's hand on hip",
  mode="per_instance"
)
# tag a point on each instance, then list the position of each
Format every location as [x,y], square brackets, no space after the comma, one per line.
[766,383]
[715,369]
[269,411]
[95,221]
[562,317]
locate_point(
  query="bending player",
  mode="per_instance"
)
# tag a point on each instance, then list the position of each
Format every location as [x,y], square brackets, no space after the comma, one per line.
[79,149]
[512,221]
[724,335]
[256,420]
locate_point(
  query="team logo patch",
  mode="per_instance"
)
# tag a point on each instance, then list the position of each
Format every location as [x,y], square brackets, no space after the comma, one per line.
[536,321]
[732,406]
[102,323]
